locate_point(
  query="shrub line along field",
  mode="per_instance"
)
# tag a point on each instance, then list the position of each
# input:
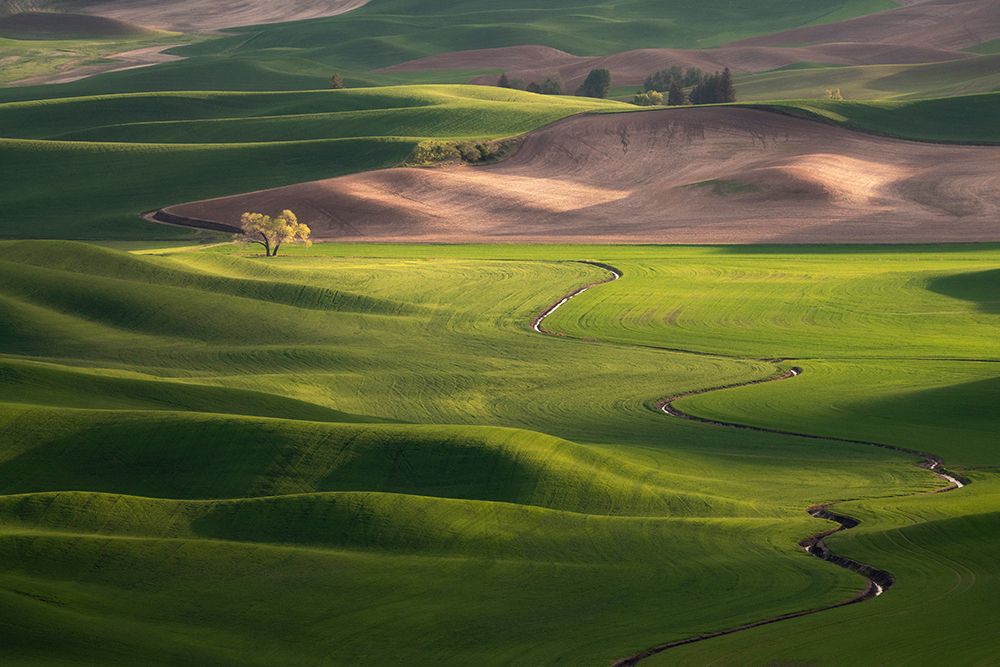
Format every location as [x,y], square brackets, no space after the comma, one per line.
[879,581]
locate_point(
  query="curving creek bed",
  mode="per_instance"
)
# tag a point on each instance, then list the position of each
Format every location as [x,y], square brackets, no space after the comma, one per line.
[879,581]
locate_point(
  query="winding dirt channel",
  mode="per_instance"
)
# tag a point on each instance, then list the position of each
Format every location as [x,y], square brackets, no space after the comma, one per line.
[879,581]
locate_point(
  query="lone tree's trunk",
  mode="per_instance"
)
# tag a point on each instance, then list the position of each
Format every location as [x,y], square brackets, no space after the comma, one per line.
[266,244]
[274,253]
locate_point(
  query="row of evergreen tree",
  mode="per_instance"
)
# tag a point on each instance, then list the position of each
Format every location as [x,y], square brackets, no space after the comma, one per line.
[705,88]
[669,86]
[597,84]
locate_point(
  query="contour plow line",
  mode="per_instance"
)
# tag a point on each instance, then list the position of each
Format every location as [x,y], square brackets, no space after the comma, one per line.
[879,581]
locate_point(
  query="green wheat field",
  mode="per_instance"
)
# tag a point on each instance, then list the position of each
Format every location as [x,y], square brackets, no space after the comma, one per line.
[366,454]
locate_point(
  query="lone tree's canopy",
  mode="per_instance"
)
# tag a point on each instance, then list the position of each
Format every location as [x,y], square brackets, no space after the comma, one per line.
[272,232]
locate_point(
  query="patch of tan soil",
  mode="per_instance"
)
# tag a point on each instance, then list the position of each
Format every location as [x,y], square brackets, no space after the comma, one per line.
[700,175]
[134,59]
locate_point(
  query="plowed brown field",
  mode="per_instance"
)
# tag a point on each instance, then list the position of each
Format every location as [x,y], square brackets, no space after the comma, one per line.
[699,175]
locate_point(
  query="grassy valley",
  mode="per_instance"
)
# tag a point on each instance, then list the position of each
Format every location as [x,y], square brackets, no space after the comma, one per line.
[305,475]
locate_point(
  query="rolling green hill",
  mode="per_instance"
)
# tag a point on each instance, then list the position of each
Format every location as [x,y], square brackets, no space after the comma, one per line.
[210,457]
[163,148]
[363,454]
[871,82]
[302,54]
[962,119]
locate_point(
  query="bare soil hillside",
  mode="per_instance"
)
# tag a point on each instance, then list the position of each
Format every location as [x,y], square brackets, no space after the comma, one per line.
[700,175]
[198,15]
[938,24]
[55,25]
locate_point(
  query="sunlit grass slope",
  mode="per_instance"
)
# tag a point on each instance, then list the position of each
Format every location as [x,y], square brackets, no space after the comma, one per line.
[363,454]
[912,363]
[26,58]
[866,82]
[962,119]
[86,167]
[802,302]
[139,466]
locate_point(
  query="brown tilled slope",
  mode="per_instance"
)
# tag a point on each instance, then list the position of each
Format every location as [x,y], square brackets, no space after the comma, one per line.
[194,15]
[54,25]
[701,175]
[938,24]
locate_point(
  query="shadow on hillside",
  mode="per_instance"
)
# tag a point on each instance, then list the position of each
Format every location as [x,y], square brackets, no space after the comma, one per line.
[967,402]
[979,287]
[780,248]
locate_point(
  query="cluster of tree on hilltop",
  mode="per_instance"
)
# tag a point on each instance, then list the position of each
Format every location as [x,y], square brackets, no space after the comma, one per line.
[661,80]
[550,85]
[597,84]
[675,86]
[672,86]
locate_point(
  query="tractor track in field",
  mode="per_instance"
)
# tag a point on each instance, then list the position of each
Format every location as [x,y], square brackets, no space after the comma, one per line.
[879,581]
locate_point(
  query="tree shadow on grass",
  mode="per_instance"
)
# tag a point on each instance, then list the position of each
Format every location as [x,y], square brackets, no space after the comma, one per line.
[979,287]
[972,404]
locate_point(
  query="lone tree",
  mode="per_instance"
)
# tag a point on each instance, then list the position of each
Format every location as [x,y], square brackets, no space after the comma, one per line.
[597,84]
[337,82]
[272,232]
[503,81]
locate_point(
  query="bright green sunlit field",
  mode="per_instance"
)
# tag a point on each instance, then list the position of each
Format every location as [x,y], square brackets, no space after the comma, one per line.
[364,454]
